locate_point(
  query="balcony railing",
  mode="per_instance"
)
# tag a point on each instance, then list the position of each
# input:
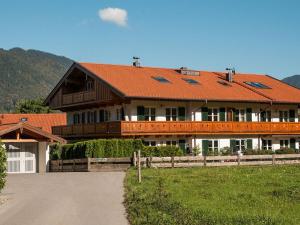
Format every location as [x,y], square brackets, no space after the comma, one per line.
[78,97]
[141,128]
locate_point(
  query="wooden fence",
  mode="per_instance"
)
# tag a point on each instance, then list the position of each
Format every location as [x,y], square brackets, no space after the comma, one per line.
[122,164]
[193,161]
[90,165]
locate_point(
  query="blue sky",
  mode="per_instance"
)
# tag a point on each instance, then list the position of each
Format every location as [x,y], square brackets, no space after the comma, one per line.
[257,36]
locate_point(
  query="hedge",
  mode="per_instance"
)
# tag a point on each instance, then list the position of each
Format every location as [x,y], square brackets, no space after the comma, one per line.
[101,148]
[2,166]
[110,148]
[161,151]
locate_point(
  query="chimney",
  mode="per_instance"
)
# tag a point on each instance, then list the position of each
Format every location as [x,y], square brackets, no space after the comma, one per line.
[136,62]
[229,74]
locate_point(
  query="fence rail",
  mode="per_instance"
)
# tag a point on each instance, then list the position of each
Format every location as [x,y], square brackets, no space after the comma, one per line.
[122,164]
[193,161]
[90,165]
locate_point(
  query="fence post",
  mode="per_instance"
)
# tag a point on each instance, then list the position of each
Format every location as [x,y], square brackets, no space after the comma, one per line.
[172,161]
[139,166]
[204,157]
[239,159]
[134,159]
[273,159]
[88,164]
[150,162]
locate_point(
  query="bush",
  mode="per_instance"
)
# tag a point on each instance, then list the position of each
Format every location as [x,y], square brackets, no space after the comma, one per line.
[286,151]
[2,166]
[226,151]
[196,150]
[258,152]
[161,151]
[100,148]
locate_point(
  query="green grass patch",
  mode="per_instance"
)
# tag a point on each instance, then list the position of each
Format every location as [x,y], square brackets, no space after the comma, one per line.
[225,195]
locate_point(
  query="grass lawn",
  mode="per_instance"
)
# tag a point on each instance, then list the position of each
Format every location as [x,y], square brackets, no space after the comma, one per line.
[223,195]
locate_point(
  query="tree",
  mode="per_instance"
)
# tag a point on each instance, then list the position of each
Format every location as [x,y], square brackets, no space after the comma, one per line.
[2,166]
[32,106]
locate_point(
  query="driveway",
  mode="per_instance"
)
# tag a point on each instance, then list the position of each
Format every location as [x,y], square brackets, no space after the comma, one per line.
[63,199]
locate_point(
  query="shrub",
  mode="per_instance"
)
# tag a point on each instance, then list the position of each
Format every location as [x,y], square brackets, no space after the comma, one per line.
[55,151]
[258,152]
[196,150]
[285,151]
[161,151]
[226,151]
[2,166]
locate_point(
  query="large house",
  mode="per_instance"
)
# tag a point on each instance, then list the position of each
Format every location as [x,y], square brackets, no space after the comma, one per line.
[26,138]
[188,108]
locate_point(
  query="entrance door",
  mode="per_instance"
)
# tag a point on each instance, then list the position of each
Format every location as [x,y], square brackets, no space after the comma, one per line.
[21,157]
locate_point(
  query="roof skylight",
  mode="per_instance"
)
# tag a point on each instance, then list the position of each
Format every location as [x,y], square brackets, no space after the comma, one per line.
[190,81]
[161,79]
[257,85]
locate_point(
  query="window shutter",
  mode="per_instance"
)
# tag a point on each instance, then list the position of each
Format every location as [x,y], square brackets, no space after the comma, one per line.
[222,114]
[248,114]
[204,147]
[232,145]
[249,144]
[181,113]
[204,111]
[101,115]
[235,115]
[292,143]
[292,115]
[140,113]
[182,145]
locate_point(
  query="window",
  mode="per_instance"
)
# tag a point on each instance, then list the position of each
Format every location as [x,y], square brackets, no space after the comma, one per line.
[83,117]
[149,114]
[104,115]
[89,85]
[267,144]
[265,116]
[118,114]
[284,143]
[190,81]
[171,114]
[91,116]
[213,114]
[240,115]
[283,116]
[257,85]
[171,143]
[149,143]
[161,79]
[76,118]
[240,145]
[213,147]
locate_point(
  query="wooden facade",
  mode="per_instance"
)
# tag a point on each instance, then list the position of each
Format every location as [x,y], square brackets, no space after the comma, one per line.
[142,128]
[65,98]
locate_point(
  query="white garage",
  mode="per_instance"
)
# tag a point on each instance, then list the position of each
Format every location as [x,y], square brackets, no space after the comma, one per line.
[27,147]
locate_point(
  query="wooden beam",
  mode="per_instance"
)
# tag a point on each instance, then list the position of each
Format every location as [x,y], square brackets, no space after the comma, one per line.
[18,140]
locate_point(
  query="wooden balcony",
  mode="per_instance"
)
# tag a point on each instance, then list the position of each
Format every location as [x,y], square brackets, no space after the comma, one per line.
[78,97]
[141,128]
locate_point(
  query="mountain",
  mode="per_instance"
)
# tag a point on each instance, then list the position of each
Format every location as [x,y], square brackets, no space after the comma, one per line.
[28,74]
[293,80]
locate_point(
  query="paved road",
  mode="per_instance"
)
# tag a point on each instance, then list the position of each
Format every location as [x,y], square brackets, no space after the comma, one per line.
[63,199]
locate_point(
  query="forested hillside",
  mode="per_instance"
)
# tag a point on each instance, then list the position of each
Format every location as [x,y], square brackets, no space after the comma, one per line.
[28,74]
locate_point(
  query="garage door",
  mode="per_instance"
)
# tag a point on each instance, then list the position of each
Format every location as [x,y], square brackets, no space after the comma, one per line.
[21,157]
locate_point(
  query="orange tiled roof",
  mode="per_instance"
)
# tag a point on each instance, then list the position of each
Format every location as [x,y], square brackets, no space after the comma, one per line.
[43,121]
[138,82]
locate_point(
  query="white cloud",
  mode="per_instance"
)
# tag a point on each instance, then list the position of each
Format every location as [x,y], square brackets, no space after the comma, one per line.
[114,15]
